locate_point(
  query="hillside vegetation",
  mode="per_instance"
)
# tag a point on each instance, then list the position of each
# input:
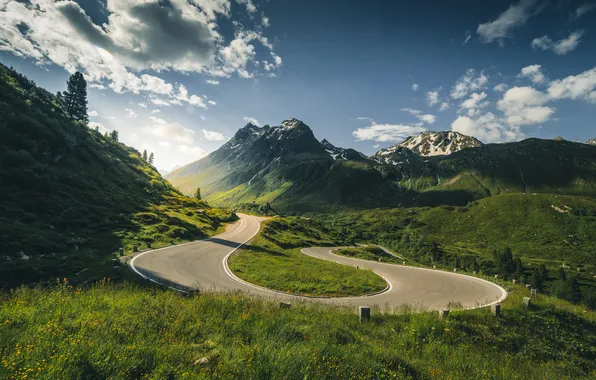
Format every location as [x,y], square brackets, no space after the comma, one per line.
[72,197]
[287,167]
[540,229]
[128,332]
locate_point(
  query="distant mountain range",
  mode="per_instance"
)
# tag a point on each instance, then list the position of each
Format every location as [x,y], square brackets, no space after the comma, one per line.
[591,141]
[288,167]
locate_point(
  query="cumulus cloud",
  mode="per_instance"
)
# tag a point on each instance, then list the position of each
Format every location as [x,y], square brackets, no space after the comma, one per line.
[525,106]
[475,101]
[415,86]
[386,132]
[212,136]
[155,111]
[93,113]
[533,72]
[560,47]
[467,83]
[130,113]
[100,127]
[432,97]
[487,127]
[137,36]
[171,131]
[212,81]
[142,105]
[501,87]
[250,6]
[444,106]
[581,86]
[511,19]
[582,10]
[252,120]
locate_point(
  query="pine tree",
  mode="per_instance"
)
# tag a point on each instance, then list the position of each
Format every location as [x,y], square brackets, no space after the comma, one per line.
[75,97]
[114,135]
[198,193]
[145,155]
[151,158]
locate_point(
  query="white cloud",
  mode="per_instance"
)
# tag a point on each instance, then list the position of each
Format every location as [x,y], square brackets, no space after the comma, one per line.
[252,120]
[501,87]
[100,127]
[212,136]
[142,105]
[386,132]
[212,102]
[432,97]
[193,151]
[165,144]
[582,10]
[467,39]
[487,127]
[425,118]
[560,47]
[503,26]
[155,111]
[159,102]
[476,100]
[444,106]
[136,36]
[411,111]
[581,86]
[467,83]
[415,86]
[130,113]
[93,113]
[525,106]
[171,131]
[533,72]
[213,82]
[250,7]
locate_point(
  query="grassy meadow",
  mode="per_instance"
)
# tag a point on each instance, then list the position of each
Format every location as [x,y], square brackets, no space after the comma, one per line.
[124,331]
[273,260]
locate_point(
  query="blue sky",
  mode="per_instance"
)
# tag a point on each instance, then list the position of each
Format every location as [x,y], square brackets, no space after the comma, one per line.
[179,78]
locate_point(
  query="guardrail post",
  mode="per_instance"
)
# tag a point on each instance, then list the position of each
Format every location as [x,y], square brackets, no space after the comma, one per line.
[148,244]
[364,312]
[285,305]
[527,302]
[514,281]
[496,309]
[443,313]
[533,293]
[135,248]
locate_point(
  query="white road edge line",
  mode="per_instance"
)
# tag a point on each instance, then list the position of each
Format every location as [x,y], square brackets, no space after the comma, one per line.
[132,265]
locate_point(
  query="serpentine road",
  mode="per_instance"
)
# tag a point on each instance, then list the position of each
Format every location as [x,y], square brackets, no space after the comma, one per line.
[204,264]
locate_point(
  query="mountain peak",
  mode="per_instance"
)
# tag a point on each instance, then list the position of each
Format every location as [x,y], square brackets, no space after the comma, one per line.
[441,143]
[591,141]
[294,123]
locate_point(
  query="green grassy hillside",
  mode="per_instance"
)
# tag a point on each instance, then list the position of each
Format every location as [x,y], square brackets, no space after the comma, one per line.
[541,229]
[72,197]
[128,332]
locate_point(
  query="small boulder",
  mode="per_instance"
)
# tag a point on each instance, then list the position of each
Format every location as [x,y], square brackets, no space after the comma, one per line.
[202,361]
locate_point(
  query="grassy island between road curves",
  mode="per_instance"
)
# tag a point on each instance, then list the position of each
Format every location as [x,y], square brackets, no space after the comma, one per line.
[273,260]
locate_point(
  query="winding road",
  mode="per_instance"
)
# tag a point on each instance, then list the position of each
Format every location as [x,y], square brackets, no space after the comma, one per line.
[204,264]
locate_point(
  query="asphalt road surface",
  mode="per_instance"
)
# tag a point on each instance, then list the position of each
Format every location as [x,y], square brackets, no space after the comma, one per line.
[202,264]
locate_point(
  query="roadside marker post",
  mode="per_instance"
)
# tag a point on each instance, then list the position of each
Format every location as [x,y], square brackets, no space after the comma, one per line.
[443,313]
[527,302]
[496,309]
[364,312]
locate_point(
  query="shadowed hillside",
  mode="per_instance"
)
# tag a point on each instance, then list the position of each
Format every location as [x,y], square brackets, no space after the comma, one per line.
[71,197]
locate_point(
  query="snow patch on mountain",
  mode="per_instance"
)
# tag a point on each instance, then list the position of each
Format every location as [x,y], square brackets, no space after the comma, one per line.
[439,143]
